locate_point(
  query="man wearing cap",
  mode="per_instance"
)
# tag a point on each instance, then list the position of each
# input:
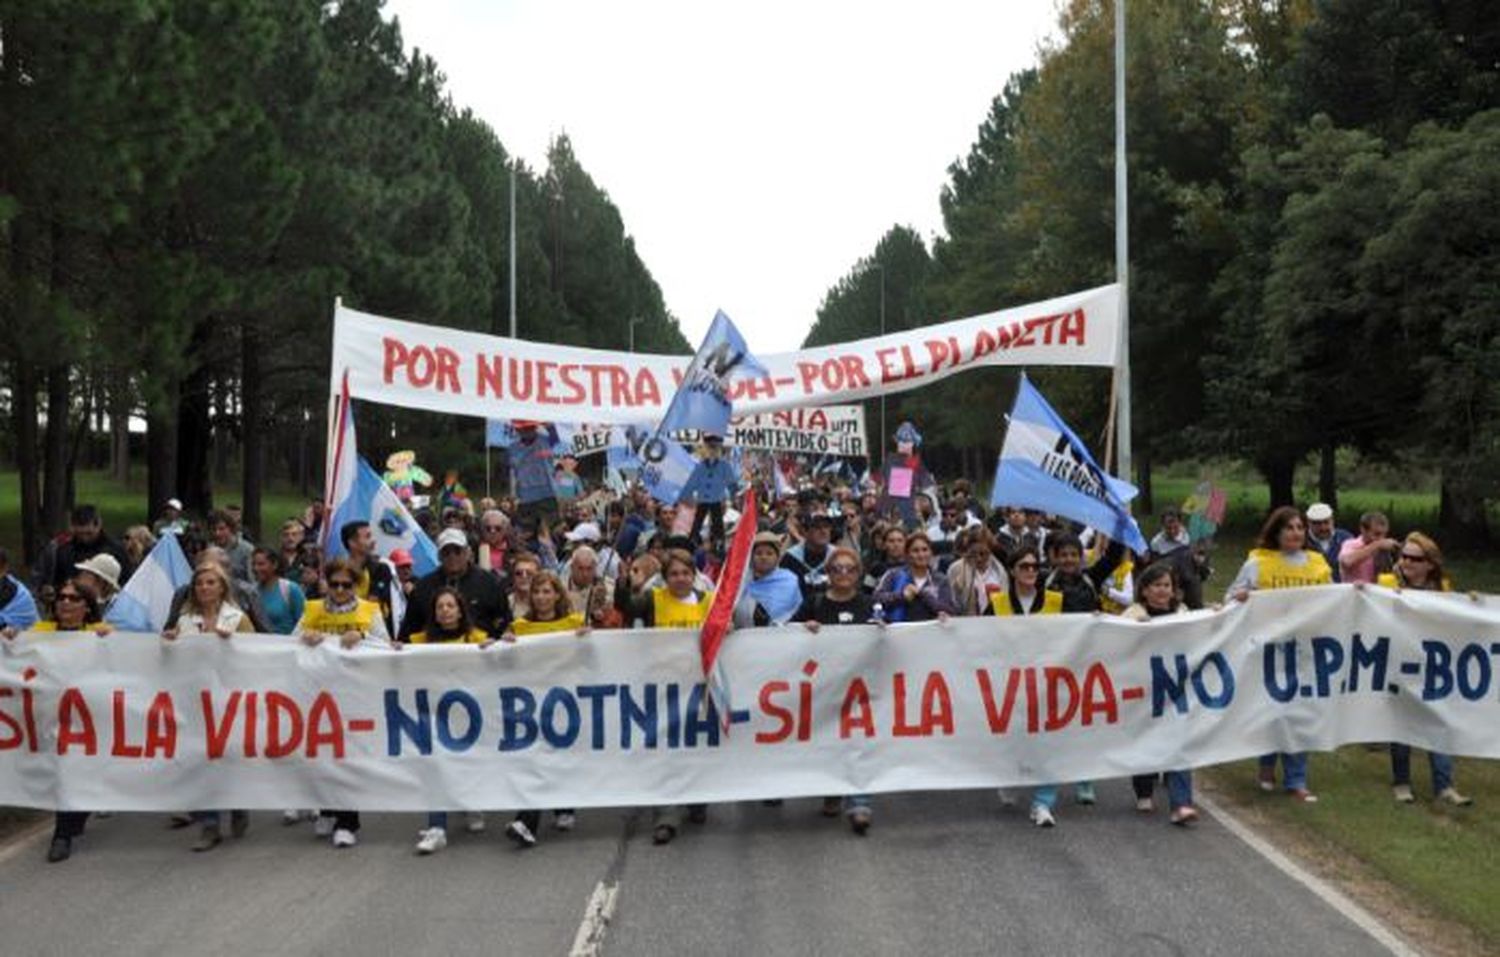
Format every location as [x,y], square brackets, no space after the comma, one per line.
[588,534]
[171,521]
[17,607]
[1324,538]
[482,591]
[102,574]
[405,578]
[712,483]
[806,559]
[773,594]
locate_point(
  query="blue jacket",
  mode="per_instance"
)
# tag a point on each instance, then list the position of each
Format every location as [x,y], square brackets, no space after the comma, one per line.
[712,481]
[17,607]
[1331,553]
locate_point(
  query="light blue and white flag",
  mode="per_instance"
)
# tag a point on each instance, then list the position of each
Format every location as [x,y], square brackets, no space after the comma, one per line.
[1044,465]
[146,600]
[500,433]
[701,402]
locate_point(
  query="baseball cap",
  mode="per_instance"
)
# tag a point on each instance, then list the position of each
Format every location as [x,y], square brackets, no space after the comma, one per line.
[585,532]
[1319,512]
[400,556]
[452,536]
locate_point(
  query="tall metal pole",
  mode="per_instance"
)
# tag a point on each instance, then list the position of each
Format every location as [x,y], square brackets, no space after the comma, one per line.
[880,440]
[513,248]
[633,322]
[1122,248]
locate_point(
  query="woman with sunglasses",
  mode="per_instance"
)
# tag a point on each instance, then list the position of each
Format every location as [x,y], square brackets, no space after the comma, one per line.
[75,609]
[843,603]
[1419,566]
[1281,559]
[1156,597]
[352,621]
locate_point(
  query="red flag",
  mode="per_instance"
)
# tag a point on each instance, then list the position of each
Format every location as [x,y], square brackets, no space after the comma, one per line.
[731,586]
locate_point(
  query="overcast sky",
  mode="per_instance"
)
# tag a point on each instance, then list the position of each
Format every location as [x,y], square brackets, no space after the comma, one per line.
[756,151]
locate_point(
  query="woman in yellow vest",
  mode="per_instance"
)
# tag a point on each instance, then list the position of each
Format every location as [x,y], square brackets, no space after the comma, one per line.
[342,614]
[1026,596]
[675,605]
[76,608]
[1282,560]
[1419,566]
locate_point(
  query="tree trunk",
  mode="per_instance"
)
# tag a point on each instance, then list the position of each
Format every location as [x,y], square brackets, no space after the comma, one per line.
[55,452]
[161,449]
[24,407]
[1328,479]
[1146,501]
[1461,514]
[1280,475]
[119,429]
[194,481]
[253,474]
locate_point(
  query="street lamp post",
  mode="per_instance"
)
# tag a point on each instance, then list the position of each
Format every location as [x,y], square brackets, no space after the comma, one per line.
[633,322]
[880,439]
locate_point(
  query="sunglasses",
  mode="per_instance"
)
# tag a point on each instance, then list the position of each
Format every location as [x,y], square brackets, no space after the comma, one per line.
[69,596]
[340,584]
[1409,557]
[1027,566]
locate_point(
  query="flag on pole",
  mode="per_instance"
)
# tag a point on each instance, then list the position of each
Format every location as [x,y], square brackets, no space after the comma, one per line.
[146,600]
[1044,465]
[727,594]
[701,402]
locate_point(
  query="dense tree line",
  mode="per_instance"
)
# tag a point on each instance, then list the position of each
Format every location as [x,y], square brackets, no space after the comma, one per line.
[1314,207]
[186,186]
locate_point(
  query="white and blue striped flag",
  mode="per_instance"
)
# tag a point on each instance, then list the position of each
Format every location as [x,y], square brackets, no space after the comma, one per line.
[146,600]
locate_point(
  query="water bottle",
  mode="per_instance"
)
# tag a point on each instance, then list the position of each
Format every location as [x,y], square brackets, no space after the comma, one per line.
[877,613]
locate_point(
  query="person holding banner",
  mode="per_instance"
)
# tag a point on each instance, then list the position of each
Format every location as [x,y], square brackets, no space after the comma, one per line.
[773,594]
[1281,560]
[915,591]
[977,576]
[1024,595]
[1157,591]
[1419,566]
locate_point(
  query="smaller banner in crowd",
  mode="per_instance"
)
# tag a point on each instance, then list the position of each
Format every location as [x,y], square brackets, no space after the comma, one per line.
[1044,465]
[420,366]
[132,723]
[832,430]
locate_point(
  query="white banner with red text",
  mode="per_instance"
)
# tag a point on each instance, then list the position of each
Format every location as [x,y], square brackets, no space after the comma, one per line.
[469,373]
[129,722]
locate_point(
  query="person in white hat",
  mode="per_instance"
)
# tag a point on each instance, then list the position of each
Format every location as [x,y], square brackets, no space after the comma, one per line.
[170,520]
[1323,537]
[102,573]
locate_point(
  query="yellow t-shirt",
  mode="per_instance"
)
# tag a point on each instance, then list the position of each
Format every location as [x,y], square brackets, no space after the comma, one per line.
[1272,570]
[1052,602]
[669,611]
[525,626]
[317,618]
[52,626]
[476,636]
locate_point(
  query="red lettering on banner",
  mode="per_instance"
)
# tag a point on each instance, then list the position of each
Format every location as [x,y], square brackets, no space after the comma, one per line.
[1022,336]
[122,748]
[619,386]
[395,355]
[807,371]
[576,392]
[421,367]
[520,388]
[855,713]
[487,378]
[161,727]
[957,353]
[1062,697]
[74,709]
[938,351]
[818,419]
[252,703]
[761,388]
[646,391]
[1099,695]
[854,372]
[888,372]
[277,705]
[544,382]
[325,726]
[12,737]
[1033,717]
[771,709]
[217,730]
[902,728]
[447,371]
[999,721]
[1072,328]
[910,363]
[984,344]
[937,705]
[804,703]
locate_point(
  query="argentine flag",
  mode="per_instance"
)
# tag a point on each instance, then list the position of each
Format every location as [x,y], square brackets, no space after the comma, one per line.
[146,600]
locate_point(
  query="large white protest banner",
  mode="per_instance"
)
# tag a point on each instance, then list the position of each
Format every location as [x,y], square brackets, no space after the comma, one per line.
[468,373]
[130,722]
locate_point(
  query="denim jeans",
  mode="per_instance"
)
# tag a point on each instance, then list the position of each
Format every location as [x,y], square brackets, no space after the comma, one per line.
[1046,796]
[1179,787]
[437,819]
[1442,767]
[1293,768]
[856,802]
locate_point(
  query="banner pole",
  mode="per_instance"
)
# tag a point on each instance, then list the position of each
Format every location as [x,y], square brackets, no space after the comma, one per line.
[1122,249]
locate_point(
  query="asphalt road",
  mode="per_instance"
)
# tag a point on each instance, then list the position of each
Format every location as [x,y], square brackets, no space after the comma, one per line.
[940,874]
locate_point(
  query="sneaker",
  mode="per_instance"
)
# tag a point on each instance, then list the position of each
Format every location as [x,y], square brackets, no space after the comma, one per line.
[431,840]
[1007,799]
[1403,795]
[1041,816]
[1303,795]
[474,822]
[343,837]
[1084,793]
[239,823]
[663,834]
[60,850]
[565,821]
[323,825]
[209,838]
[1266,779]
[1184,816]
[1450,796]
[859,820]
[296,816]
[1145,805]
[520,833]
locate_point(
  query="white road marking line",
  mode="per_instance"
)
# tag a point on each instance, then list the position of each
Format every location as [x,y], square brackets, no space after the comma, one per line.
[1326,892]
[23,840]
[589,941]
